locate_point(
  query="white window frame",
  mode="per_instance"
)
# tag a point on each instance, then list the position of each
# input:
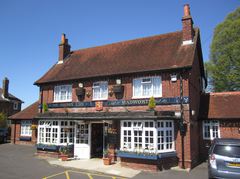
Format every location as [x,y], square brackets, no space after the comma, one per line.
[15,105]
[145,82]
[211,124]
[56,131]
[59,89]
[130,128]
[101,86]
[26,128]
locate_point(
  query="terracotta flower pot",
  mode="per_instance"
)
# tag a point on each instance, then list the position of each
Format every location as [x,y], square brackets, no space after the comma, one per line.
[64,157]
[107,161]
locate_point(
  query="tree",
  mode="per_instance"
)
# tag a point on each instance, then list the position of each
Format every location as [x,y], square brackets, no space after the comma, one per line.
[3,120]
[224,65]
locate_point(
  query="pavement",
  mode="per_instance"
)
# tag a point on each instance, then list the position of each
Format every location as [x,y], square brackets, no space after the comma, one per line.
[97,166]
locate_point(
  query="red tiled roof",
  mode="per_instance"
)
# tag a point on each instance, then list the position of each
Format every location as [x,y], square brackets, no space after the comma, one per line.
[154,53]
[224,105]
[28,113]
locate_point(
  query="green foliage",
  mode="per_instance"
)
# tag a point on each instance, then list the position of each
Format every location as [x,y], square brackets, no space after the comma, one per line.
[151,103]
[45,107]
[224,64]
[3,120]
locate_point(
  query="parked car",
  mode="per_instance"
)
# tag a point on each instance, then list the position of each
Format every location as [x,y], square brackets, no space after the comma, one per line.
[224,159]
[3,135]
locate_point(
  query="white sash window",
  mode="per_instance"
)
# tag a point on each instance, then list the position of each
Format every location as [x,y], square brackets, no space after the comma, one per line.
[100,90]
[63,93]
[147,87]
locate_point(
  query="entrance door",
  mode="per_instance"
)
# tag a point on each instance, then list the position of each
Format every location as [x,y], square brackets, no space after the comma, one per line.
[82,141]
[97,140]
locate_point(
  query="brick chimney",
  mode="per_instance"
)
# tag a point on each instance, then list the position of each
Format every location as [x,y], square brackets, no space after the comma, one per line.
[64,49]
[187,23]
[5,87]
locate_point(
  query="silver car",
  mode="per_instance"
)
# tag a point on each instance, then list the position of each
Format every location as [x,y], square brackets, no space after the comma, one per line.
[224,159]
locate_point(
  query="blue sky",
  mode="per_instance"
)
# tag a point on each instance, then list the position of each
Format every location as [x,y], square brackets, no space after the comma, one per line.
[30,31]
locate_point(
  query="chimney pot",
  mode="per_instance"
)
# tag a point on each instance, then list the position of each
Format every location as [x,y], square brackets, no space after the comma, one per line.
[63,39]
[5,87]
[186,10]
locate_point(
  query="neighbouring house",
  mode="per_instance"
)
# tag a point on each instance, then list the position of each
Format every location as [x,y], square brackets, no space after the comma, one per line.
[24,126]
[97,99]
[9,104]
[219,118]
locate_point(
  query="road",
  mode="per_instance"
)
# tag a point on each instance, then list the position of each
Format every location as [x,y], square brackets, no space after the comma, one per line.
[19,162]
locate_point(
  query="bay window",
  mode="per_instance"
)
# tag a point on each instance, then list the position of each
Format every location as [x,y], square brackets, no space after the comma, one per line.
[100,90]
[56,132]
[147,87]
[26,128]
[211,129]
[147,136]
[63,93]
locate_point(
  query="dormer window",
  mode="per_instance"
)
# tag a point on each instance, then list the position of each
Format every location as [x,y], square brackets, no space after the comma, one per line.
[63,93]
[147,87]
[100,90]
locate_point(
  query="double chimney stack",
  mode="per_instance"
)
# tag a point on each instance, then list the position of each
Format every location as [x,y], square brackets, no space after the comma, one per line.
[64,49]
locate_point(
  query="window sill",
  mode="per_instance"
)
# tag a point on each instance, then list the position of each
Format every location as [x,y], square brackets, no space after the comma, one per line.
[62,101]
[100,99]
[146,97]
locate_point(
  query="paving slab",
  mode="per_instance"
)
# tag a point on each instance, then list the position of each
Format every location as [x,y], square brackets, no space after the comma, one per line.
[96,165]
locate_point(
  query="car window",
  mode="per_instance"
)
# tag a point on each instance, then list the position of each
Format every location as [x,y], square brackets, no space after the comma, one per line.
[227,150]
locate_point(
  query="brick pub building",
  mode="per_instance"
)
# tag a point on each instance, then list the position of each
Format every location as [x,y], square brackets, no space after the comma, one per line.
[97,98]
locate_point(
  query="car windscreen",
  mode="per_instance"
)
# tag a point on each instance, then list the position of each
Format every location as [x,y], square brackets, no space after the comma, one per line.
[227,150]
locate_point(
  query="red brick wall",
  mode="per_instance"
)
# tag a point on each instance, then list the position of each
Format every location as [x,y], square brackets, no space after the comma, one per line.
[16,133]
[195,88]
[169,89]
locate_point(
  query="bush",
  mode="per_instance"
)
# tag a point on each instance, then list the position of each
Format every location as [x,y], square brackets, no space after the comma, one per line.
[3,120]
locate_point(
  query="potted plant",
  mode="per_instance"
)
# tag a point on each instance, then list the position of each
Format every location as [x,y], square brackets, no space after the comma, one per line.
[106,157]
[151,104]
[64,153]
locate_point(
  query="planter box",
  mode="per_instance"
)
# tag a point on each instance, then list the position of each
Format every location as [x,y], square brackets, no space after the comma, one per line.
[118,88]
[80,92]
[137,155]
[46,147]
[25,138]
[160,156]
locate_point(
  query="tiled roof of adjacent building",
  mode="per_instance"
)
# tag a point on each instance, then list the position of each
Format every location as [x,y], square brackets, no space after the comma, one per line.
[28,113]
[156,53]
[10,97]
[223,105]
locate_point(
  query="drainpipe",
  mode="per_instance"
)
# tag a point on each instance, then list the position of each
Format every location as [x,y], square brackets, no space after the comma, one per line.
[41,99]
[181,123]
